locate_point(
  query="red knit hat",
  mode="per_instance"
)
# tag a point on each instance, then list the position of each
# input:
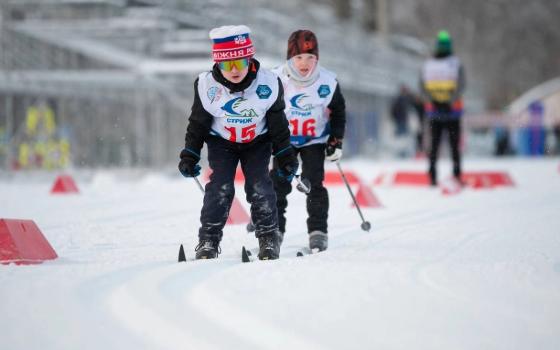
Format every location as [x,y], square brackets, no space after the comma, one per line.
[231,43]
[302,41]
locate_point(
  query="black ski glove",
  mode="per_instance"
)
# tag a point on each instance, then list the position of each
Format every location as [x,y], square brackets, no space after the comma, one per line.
[333,152]
[188,166]
[287,164]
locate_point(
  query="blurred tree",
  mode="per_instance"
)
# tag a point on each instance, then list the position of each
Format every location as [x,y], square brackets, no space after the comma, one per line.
[508,46]
[370,15]
[342,8]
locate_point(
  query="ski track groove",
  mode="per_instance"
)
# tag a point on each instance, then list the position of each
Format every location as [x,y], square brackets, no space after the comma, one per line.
[148,295]
[154,293]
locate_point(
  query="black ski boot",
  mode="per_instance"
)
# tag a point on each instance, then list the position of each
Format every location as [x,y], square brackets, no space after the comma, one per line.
[318,240]
[207,249]
[269,247]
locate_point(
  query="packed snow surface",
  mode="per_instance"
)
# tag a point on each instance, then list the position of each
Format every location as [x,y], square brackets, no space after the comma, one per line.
[476,270]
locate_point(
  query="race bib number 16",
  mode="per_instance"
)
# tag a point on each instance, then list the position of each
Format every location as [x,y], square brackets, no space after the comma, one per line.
[305,128]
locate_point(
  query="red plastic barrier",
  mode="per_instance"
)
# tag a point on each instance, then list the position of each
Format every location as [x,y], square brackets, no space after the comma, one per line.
[22,242]
[333,177]
[487,179]
[64,184]
[411,178]
[366,198]
[237,214]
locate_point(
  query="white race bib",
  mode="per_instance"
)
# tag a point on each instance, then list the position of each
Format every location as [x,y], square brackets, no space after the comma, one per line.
[239,116]
[307,108]
[440,78]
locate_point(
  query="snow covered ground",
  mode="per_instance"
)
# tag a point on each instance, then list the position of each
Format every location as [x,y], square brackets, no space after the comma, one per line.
[479,270]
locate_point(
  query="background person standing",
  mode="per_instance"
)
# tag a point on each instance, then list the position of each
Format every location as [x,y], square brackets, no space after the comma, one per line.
[442,81]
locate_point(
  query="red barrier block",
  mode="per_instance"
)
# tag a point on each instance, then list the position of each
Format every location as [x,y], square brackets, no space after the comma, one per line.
[366,198]
[411,178]
[22,242]
[237,214]
[64,184]
[487,179]
[500,178]
[334,178]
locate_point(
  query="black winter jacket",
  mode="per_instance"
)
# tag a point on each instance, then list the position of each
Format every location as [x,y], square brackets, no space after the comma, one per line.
[338,114]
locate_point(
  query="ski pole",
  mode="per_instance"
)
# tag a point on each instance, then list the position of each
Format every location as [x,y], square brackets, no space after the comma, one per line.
[182,257]
[365,224]
[199,184]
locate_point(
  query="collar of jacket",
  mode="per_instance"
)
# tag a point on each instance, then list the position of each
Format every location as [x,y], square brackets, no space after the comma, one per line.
[243,84]
[442,54]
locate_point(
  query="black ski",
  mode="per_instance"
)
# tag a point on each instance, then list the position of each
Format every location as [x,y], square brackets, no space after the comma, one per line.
[182,257]
[246,255]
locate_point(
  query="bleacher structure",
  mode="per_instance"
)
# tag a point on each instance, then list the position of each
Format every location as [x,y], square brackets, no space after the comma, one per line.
[110,82]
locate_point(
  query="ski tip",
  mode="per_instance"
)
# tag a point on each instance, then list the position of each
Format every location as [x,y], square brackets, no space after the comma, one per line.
[182,257]
[245,255]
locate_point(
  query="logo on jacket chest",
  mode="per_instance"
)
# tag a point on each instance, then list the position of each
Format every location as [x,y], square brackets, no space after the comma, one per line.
[214,94]
[323,91]
[263,91]
[237,113]
[298,107]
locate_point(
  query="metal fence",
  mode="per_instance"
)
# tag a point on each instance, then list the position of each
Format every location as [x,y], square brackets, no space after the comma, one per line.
[116,79]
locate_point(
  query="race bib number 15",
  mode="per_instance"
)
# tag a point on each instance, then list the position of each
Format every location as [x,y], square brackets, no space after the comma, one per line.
[245,134]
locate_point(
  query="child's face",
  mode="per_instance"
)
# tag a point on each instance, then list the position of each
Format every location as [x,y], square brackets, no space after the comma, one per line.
[305,63]
[235,71]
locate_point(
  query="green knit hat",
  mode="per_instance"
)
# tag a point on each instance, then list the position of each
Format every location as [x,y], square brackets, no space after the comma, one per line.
[443,43]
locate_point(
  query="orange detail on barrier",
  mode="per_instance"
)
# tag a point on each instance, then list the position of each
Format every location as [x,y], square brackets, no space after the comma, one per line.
[21,242]
[237,214]
[64,184]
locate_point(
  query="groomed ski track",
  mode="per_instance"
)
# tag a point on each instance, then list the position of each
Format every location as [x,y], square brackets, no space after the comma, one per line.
[479,270]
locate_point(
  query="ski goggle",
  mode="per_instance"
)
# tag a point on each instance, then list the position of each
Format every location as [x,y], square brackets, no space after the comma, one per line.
[240,64]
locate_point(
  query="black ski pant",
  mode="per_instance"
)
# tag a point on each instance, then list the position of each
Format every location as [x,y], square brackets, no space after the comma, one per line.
[223,157]
[313,169]
[453,127]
